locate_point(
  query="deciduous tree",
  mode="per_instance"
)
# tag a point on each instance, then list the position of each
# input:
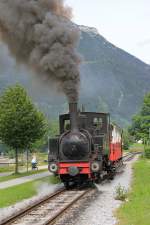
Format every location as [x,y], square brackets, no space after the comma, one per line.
[141,122]
[21,124]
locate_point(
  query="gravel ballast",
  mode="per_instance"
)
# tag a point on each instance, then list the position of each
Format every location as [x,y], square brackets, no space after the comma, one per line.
[101,210]
[98,210]
[43,190]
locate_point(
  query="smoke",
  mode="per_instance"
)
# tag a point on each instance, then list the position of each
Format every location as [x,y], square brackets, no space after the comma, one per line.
[39,34]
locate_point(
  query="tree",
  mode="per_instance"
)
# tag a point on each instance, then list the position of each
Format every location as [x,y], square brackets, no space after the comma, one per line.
[141,122]
[21,124]
[52,131]
[127,140]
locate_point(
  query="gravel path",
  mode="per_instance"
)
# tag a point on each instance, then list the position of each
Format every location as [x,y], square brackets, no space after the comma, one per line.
[5,174]
[22,171]
[100,211]
[22,180]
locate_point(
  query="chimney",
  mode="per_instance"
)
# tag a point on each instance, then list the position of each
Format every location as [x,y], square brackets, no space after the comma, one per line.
[73,116]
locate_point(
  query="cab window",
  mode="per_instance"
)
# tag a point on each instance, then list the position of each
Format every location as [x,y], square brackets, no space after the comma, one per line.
[97,122]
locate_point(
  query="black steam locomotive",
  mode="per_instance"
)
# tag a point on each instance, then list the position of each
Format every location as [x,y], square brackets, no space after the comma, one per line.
[87,148]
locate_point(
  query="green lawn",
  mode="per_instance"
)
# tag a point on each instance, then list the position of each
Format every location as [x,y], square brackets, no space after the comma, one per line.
[11,195]
[7,169]
[137,210]
[136,147]
[13,176]
[41,158]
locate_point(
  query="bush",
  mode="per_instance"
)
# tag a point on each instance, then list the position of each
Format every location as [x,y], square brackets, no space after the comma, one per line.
[11,153]
[121,193]
[147,152]
[126,145]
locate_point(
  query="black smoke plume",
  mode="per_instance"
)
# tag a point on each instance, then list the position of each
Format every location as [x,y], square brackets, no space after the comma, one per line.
[39,33]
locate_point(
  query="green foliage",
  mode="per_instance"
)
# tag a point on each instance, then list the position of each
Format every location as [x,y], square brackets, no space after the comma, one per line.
[136,147]
[147,152]
[3,148]
[21,124]
[141,122]
[53,128]
[121,193]
[10,153]
[7,169]
[136,210]
[52,131]
[39,144]
[127,140]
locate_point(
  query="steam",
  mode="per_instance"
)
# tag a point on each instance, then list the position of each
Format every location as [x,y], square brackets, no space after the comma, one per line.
[39,34]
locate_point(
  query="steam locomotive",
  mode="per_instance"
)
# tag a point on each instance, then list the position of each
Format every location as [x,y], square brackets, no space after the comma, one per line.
[88,147]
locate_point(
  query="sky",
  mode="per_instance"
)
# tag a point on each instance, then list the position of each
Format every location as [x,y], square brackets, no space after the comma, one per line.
[125,23]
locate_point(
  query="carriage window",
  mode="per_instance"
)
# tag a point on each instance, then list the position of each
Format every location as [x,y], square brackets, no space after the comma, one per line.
[98,123]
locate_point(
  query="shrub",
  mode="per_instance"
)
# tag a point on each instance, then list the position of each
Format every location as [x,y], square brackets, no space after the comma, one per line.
[147,152]
[121,193]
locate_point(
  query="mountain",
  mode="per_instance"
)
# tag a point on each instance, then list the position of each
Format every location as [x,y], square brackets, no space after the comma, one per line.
[111,79]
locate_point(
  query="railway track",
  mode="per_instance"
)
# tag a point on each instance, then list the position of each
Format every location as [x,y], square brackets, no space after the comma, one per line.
[48,210]
[126,158]
[51,208]
[130,156]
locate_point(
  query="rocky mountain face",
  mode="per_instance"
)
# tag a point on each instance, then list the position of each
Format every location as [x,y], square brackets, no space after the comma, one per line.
[111,79]
[114,80]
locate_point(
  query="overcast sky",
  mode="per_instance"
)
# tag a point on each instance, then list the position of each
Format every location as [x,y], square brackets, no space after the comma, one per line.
[125,23]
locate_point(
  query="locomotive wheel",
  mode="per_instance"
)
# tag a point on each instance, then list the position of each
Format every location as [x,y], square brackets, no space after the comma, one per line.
[91,183]
[98,180]
[66,184]
[111,175]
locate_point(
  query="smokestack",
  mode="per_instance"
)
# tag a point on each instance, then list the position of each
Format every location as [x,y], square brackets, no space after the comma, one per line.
[73,116]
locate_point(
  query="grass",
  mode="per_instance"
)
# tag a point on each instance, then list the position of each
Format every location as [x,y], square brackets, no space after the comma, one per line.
[7,169]
[13,176]
[12,195]
[41,157]
[136,147]
[137,210]
[21,168]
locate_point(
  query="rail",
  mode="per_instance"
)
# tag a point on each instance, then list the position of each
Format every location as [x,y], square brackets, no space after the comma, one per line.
[52,207]
[29,208]
[130,156]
